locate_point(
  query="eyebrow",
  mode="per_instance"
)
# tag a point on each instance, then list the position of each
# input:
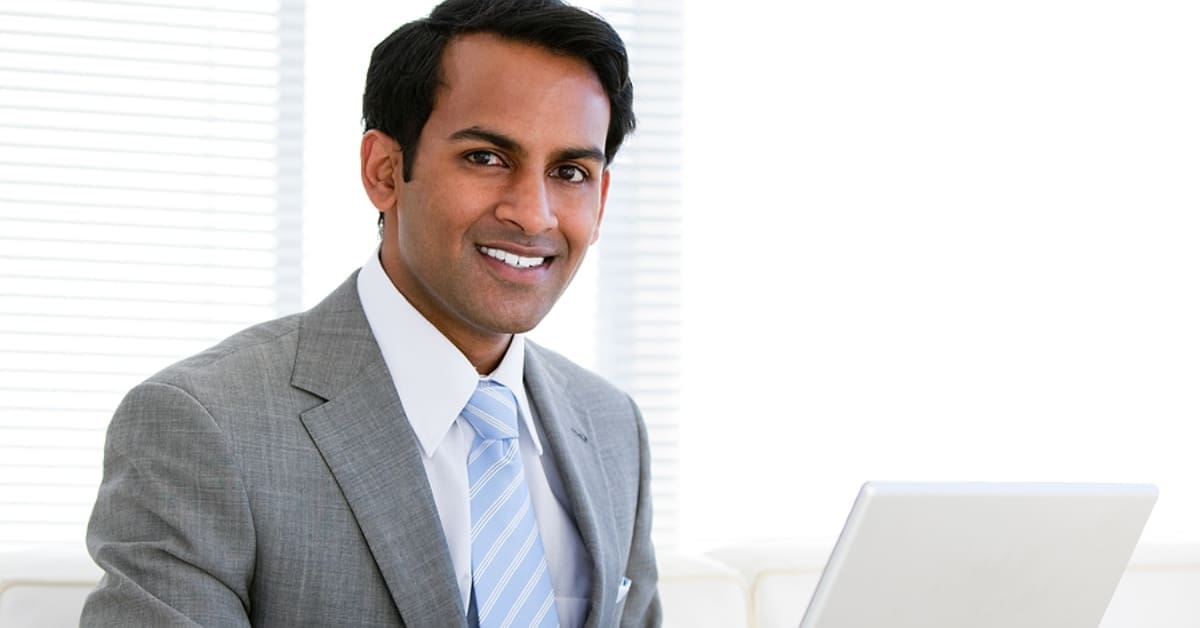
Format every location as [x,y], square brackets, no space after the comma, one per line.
[507,143]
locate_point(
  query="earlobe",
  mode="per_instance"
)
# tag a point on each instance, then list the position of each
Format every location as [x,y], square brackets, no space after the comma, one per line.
[379,158]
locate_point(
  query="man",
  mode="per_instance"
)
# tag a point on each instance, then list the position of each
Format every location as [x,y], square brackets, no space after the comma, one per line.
[331,468]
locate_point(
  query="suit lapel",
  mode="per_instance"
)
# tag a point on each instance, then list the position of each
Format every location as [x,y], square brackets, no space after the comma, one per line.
[367,443]
[570,437]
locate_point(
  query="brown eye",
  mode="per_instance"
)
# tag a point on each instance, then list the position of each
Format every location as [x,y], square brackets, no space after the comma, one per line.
[484,158]
[570,174]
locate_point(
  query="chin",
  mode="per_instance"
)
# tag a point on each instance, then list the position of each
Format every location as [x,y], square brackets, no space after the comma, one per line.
[518,327]
[517,322]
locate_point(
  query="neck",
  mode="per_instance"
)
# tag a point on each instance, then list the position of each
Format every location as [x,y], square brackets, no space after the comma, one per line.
[485,361]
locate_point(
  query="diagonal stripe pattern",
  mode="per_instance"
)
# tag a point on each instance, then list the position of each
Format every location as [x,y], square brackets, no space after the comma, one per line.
[508,563]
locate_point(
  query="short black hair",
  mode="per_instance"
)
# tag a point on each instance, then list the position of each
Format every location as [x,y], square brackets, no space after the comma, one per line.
[405,67]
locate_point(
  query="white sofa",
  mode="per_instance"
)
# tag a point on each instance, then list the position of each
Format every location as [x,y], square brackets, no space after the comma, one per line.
[752,586]
[1160,588]
[44,587]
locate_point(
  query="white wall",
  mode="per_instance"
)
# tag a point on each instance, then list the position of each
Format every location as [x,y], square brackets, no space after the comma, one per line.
[938,240]
[339,221]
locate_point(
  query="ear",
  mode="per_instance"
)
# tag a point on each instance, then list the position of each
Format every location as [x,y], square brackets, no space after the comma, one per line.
[381,163]
[603,201]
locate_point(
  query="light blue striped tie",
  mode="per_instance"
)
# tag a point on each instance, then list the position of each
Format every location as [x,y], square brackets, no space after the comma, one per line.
[508,563]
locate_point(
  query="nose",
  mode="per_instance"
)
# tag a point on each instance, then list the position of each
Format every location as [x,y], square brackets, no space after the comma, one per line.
[527,204]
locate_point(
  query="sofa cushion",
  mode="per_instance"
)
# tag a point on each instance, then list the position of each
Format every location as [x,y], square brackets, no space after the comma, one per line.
[45,587]
[780,577]
[698,592]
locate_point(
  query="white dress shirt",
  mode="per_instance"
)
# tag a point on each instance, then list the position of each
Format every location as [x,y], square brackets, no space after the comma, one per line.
[434,380]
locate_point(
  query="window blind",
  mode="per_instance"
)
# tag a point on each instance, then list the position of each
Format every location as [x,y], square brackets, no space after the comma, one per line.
[150,191]
[640,253]
[150,197]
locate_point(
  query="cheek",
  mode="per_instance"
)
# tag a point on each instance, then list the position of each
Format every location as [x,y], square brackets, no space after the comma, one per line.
[433,217]
[580,227]
[455,209]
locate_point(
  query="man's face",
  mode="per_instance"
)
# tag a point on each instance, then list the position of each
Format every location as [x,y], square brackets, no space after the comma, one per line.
[506,193]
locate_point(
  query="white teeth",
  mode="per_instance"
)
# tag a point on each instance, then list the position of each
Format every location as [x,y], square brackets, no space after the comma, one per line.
[511,259]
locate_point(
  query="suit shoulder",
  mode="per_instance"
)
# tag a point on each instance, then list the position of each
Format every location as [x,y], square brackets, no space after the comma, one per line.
[261,349]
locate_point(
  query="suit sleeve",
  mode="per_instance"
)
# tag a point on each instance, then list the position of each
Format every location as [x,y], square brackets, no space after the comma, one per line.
[642,606]
[171,528]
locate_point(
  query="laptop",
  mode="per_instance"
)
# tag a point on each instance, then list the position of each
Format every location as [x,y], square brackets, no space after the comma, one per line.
[980,555]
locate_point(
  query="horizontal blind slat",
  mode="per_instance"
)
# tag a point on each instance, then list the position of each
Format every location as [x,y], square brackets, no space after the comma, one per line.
[139,208]
[233,7]
[638,275]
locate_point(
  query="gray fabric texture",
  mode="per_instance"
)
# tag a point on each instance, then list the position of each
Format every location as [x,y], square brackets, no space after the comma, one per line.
[273,480]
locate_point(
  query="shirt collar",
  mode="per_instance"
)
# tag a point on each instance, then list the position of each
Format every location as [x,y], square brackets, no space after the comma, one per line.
[433,379]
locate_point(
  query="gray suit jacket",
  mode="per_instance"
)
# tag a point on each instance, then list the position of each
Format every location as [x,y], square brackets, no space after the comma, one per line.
[274,480]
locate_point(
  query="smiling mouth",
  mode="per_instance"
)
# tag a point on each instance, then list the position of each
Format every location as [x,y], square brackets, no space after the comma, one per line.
[512,259]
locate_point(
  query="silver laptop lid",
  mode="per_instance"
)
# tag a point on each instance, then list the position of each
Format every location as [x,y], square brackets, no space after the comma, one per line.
[980,555]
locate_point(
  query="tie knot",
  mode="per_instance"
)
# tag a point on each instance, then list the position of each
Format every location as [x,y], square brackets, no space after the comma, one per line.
[492,411]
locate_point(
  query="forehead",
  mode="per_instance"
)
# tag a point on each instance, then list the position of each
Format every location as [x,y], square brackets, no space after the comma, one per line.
[519,89]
